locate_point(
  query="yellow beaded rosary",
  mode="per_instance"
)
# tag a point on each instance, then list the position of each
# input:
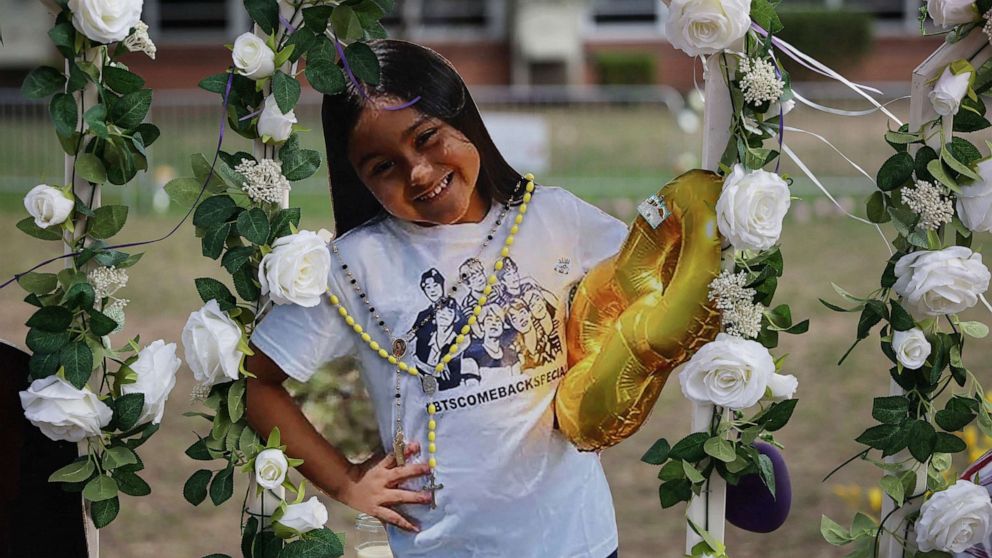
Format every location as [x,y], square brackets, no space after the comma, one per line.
[429,381]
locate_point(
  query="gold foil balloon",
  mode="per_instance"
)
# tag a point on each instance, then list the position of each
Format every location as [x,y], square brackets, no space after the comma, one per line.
[638,315]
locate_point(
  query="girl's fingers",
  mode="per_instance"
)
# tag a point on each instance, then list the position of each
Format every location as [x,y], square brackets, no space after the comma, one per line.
[409,471]
[387,462]
[396,519]
[400,496]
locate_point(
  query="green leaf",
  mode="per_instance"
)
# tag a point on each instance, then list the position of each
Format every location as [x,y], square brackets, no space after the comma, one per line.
[281,223]
[763,13]
[833,532]
[109,221]
[105,511]
[222,487]
[876,208]
[79,295]
[971,116]
[130,110]
[213,240]
[90,168]
[657,453]
[254,225]
[690,448]
[957,165]
[937,169]
[195,489]
[924,155]
[43,365]
[127,410]
[184,190]
[345,23]
[315,17]
[121,80]
[214,210]
[873,313]
[949,443]
[42,82]
[300,164]
[199,451]
[236,400]
[28,226]
[286,91]
[77,360]
[675,491]
[964,151]
[45,342]
[216,83]
[38,283]
[692,474]
[877,436]
[246,283]
[101,324]
[922,440]
[51,318]
[766,470]
[209,289]
[895,172]
[900,319]
[131,484]
[265,13]
[363,62]
[890,410]
[100,488]
[671,471]
[118,456]
[978,330]
[777,416]
[63,111]
[77,471]
[892,485]
[720,448]
[323,74]
[237,257]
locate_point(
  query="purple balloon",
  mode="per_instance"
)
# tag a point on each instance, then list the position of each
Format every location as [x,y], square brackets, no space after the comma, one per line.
[751,506]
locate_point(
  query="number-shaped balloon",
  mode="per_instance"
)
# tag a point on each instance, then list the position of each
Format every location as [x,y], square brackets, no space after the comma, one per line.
[638,315]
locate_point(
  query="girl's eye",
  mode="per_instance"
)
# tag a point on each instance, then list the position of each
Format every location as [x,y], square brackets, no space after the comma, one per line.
[425,136]
[381,167]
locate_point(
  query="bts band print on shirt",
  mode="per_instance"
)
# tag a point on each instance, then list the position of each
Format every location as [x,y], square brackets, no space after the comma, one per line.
[517,330]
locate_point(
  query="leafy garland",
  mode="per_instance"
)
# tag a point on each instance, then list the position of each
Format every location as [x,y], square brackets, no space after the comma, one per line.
[239,227]
[727,447]
[915,437]
[77,313]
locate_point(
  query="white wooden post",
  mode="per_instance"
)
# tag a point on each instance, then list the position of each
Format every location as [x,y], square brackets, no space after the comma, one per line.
[976,49]
[709,509]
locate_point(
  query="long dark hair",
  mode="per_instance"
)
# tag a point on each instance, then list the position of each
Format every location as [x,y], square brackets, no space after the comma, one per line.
[408,70]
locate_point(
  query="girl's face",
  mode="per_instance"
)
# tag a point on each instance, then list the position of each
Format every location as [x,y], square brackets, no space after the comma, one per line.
[420,168]
[432,289]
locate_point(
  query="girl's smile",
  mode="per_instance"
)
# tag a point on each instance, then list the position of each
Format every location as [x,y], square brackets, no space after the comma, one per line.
[420,168]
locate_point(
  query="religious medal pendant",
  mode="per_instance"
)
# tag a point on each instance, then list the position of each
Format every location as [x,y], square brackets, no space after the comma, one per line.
[433,487]
[399,448]
[429,384]
[399,347]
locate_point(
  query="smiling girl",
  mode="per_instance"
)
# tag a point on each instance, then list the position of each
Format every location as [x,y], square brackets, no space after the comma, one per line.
[418,188]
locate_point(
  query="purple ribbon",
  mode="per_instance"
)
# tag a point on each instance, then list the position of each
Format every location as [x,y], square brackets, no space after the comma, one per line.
[220,140]
[285,23]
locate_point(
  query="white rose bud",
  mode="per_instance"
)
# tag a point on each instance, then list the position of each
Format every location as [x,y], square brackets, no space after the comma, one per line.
[296,270]
[974,203]
[707,26]
[955,519]
[270,468]
[305,516]
[948,13]
[729,372]
[751,208]
[252,57]
[782,386]
[105,21]
[274,123]
[48,205]
[156,369]
[939,282]
[210,341]
[911,348]
[63,412]
[948,92]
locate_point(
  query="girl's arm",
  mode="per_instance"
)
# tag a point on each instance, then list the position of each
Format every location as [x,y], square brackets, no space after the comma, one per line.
[371,487]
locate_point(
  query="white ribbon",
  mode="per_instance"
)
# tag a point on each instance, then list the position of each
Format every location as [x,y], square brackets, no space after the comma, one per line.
[842,112]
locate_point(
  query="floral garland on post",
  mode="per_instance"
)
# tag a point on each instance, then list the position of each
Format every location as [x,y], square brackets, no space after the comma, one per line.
[79,308]
[240,220]
[736,372]
[936,191]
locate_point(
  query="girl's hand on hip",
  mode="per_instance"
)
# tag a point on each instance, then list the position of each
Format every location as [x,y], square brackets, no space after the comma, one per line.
[374,487]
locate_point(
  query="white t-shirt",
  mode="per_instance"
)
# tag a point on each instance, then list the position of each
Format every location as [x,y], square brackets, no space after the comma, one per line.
[513,484]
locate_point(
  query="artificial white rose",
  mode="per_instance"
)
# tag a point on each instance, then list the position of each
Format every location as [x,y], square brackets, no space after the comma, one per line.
[707,26]
[48,205]
[210,341]
[729,372]
[156,369]
[63,412]
[948,13]
[274,123]
[955,519]
[305,516]
[938,282]
[296,270]
[948,92]
[252,57]
[105,21]
[911,348]
[782,386]
[751,208]
[270,468]
[974,202]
